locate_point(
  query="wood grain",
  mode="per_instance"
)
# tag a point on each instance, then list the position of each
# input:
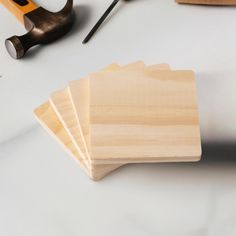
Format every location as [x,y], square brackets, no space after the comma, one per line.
[61,103]
[49,120]
[208,2]
[79,94]
[144,117]
[137,75]
[59,119]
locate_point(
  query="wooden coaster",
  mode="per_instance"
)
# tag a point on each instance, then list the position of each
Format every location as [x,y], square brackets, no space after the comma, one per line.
[129,114]
[49,120]
[61,113]
[148,116]
[61,103]
[79,92]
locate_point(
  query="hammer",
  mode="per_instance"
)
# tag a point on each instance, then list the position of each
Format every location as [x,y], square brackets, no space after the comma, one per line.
[43,26]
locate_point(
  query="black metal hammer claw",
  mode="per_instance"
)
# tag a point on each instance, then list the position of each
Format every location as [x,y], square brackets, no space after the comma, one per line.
[43,26]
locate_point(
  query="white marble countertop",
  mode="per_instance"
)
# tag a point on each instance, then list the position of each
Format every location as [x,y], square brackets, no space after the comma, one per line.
[44,192]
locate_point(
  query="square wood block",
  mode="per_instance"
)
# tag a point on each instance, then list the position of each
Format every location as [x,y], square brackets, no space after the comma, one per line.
[125,114]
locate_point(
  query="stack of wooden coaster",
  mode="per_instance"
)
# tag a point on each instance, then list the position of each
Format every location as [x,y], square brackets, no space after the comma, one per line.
[126,114]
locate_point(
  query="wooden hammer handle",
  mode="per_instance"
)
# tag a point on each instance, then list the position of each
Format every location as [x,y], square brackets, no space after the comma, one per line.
[19,7]
[208,2]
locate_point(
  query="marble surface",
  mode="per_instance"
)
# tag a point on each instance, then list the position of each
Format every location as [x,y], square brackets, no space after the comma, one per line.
[44,192]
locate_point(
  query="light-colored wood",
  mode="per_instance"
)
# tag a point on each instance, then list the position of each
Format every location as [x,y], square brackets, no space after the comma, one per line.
[134,66]
[49,120]
[17,10]
[62,106]
[79,94]
[144,117]
[103,171]
[61,103]
[208,2]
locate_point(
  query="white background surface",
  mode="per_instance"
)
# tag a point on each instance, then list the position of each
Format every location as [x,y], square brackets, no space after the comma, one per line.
[44,192]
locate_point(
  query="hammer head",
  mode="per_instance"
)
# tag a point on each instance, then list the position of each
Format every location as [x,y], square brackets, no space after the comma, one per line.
[43,27]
